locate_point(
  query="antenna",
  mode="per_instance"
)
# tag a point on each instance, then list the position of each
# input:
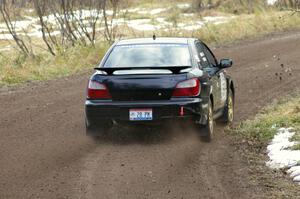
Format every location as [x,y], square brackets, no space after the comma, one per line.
[154,36]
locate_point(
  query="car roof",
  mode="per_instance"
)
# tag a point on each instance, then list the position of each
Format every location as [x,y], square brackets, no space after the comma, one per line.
[173,40]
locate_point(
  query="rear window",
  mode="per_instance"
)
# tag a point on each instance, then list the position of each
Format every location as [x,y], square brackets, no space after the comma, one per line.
[149,55]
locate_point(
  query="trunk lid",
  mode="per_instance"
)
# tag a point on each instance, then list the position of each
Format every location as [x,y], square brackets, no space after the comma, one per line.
[141,87]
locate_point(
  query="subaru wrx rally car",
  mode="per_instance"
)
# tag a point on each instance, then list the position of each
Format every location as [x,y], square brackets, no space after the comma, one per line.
[151,80]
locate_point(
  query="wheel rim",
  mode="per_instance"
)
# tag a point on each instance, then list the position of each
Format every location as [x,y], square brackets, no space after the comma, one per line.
[230,109]
[210,121]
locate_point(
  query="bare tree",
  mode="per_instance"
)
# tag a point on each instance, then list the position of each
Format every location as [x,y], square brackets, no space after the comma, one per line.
[199,5]
[74,25]
[86,26]
[65,23]
[250,6]
[6,14]
[40,8]
[294,4]
[76,21]
[110,30]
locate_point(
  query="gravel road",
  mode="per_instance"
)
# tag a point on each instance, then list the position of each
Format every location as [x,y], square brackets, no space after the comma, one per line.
[44,152]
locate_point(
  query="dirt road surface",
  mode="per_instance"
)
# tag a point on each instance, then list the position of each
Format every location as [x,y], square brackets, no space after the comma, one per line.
[44,152]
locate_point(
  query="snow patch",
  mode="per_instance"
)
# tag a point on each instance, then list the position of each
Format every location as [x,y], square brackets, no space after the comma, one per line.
[146,11]
[281,156]
[157,11]
[183,5]
[195,26]
[271,2]
[6,48]
[188,14]
[29,26]
[142,25]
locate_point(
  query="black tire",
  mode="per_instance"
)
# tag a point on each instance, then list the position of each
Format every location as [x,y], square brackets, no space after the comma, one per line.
[94,131]
[228,115]
[208,129]
[90,130]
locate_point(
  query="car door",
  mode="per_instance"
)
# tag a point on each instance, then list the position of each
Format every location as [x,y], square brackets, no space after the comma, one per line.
[208,66]
[218,76]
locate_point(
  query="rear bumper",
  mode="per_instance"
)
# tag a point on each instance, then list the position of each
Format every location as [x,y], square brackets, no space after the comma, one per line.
[100,110]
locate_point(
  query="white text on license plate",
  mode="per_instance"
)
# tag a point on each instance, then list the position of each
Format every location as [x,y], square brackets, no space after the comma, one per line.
[140,114]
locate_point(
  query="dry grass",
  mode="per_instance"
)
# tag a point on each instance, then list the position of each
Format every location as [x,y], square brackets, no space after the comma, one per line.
[15,68]
[263,128]
[247,26]
[252,138]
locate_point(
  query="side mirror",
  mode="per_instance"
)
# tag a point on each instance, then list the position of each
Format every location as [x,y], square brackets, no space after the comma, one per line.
[225,63]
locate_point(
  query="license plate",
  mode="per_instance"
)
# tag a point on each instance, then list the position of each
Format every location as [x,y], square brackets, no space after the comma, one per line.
[140,114]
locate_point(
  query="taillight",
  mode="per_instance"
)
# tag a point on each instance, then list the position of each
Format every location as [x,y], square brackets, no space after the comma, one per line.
[97,90]
[188,88]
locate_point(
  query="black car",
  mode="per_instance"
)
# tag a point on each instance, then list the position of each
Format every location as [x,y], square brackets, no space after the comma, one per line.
[151,80]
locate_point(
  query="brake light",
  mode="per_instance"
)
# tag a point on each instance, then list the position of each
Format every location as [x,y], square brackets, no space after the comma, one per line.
[188,88]
[97,90]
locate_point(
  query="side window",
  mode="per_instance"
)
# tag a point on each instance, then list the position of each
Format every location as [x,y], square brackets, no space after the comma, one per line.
[211,58]
[201,54]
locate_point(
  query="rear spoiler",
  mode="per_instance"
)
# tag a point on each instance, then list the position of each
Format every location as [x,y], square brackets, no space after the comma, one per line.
[174,69]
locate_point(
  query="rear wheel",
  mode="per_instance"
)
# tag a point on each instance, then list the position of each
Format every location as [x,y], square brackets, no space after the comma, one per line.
[96,130]
[208,129]
[228,114]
